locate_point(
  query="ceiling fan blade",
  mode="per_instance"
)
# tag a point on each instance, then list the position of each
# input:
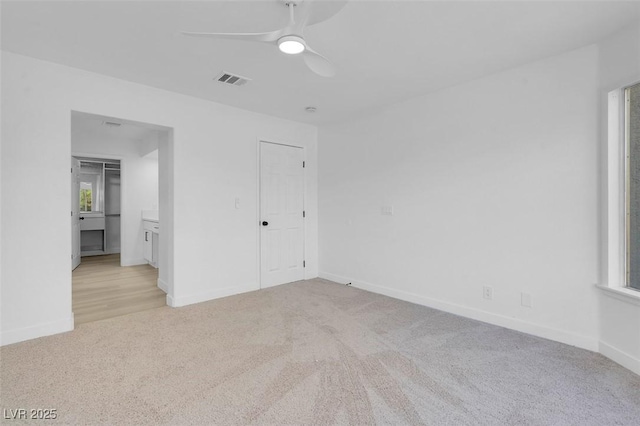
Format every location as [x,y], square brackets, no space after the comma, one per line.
[262,37]
[318,63]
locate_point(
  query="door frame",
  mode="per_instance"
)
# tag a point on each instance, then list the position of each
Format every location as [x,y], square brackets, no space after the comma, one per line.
[75,211]
[122,184]
[259,143]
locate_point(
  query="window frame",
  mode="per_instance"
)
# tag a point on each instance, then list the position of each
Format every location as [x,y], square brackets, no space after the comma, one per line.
[616,277]
[96,179]
[626,120]
[89,193]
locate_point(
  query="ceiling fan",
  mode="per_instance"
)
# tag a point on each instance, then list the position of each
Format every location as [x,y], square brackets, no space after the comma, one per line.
[289,39]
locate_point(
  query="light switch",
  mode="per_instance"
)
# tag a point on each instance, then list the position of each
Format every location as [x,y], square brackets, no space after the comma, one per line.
[387,210]
[237,203]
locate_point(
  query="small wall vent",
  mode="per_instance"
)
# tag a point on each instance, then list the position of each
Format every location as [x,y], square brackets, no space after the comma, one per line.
[234,80]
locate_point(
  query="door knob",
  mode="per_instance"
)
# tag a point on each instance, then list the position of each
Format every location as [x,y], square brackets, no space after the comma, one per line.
[265,223]
[81,218]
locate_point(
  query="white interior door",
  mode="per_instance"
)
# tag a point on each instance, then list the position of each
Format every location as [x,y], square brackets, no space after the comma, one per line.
[281,214]
[75,213]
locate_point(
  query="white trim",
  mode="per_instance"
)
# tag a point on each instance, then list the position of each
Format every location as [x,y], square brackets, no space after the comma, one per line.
[615,191]
[35,331]
[97,156]
[170,301]
[622,358]
[176,302]
[163,286]
[555,334]
[621,293]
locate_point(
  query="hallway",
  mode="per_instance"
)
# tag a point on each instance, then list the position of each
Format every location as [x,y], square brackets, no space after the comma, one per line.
[104,289]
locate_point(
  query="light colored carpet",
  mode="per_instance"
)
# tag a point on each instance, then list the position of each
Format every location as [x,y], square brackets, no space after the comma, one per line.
[312,352]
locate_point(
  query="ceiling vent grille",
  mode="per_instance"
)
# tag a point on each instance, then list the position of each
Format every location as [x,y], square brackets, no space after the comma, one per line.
[234,80]
[111,124]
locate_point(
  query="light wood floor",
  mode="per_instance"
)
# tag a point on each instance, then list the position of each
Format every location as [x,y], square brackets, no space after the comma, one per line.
[104,289]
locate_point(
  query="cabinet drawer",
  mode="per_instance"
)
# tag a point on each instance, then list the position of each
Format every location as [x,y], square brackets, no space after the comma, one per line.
[91,223]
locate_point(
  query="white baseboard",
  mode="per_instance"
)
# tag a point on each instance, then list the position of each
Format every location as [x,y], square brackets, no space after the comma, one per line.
[163,286]
[133,261]
[557,335]
[622,358]
[170,301]
[176,302]
[34,331]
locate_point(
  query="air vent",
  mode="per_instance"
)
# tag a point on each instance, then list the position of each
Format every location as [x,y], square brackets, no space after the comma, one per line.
[111,124]
[234,80]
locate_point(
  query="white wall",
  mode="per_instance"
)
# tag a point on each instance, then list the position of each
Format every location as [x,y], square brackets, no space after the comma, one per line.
[619,66]
[139,183]
[214,153]
[166,251]
[493,183]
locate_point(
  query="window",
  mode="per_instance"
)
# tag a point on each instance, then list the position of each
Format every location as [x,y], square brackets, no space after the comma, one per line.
[632,184]
[622,249]
[91,177]
[86,197]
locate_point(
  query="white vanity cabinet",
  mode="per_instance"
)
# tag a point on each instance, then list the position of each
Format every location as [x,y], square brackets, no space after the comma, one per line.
[151,238]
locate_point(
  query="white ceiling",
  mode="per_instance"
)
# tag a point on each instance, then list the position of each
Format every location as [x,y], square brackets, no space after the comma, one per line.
[89,124]
[385,51]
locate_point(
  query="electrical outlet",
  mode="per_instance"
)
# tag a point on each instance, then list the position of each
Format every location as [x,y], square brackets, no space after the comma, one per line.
[237,203]
[387,210]
[487,292]
[525,300]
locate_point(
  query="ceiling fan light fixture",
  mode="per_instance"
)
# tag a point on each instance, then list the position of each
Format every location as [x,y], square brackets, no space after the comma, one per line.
[291,45]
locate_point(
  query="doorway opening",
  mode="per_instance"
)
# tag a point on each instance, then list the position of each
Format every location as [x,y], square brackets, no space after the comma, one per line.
[119,193]
[96,204]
